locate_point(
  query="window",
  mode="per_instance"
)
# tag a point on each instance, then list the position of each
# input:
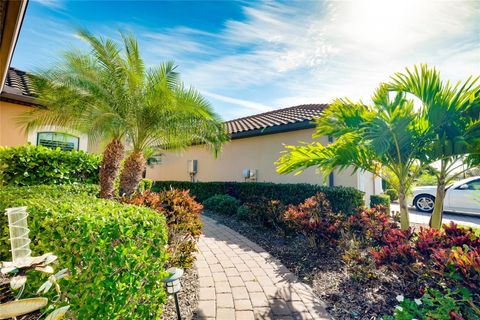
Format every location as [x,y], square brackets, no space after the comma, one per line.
[54,140]
[474,185]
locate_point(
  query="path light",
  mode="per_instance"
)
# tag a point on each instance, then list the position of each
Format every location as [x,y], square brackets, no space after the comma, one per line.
[172,283]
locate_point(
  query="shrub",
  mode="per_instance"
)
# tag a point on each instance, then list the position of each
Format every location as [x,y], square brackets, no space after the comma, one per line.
[429,240]
[380,200]
[392,193]
[115,252]
[459,265]
[182,213]
[244,213]
[222,204]
[369,225]
[315,220]
[144,185]
[268,213]
[395,249]
[360,263]
[31,165]
[435,304]
[342,199]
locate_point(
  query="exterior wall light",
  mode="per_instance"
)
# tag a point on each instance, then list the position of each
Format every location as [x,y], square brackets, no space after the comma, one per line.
[173,286]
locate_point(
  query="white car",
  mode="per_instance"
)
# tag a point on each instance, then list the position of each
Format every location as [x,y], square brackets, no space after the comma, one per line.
[462,196]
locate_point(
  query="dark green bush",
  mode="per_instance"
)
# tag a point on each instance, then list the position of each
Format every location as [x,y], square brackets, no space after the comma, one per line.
[392,193]
[244,213]
[222,204]
[342,199]
[268,213]
[115,252]
[380,200]
[34,165]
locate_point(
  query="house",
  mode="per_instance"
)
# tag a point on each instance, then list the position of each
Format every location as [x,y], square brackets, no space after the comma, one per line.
[16,99]
[16,94]
[256,143]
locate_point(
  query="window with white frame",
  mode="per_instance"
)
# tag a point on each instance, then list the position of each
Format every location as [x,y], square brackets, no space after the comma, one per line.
[54,140]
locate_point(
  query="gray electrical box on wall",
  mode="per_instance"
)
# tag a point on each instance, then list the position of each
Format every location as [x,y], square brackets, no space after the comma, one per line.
[192,166]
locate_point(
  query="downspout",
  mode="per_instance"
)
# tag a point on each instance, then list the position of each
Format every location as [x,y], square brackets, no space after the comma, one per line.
[331,181]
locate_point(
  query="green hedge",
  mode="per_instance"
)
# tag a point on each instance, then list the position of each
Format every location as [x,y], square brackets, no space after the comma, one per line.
[392,193]
[34,165]
[223,204]
[342,199]
[115,252]
[380,200]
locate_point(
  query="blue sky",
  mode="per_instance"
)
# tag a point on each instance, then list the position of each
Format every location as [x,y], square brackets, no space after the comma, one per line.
[248,57]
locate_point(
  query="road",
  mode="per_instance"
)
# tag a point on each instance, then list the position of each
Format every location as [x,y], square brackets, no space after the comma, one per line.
[423,218]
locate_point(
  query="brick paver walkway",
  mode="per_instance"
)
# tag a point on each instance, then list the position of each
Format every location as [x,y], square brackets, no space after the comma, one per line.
[239,280]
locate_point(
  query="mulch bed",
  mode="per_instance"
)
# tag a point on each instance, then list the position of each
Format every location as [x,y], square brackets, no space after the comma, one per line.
[325,272]
[188,297]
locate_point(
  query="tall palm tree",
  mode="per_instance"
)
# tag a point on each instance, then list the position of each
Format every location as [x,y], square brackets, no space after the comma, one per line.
[385,138]
[453,116]
[169,116]
[110,95]
[87,91]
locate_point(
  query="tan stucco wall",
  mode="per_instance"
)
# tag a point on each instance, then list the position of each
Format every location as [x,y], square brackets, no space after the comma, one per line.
[259,153]
[11,133]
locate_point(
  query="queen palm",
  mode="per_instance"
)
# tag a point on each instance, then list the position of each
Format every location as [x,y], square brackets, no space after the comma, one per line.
[453,116]
[110,95]
[385,138]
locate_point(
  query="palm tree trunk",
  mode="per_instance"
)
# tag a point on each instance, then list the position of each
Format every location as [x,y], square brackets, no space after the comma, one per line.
[132,173]
[437,214]
[110,166]
[402,199]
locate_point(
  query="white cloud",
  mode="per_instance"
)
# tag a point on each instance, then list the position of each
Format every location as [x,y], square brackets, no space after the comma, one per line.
[53,4]
[288,53]
[240,102]
[317,52]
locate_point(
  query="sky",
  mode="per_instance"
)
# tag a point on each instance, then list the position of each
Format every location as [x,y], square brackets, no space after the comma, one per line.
[248,57]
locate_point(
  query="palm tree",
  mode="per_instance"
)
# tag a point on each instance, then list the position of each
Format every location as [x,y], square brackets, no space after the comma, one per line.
[453,120]
[87,92]
[168,116]
[108,94]
[385,138]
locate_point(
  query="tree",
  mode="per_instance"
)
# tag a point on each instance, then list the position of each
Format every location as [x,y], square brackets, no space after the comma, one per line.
[110,95]
[385,138]
[452,113]
[168,116]
[87,92]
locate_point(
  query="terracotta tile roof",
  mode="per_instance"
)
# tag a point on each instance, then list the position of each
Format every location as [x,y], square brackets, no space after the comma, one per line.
[279,117]
[18,81]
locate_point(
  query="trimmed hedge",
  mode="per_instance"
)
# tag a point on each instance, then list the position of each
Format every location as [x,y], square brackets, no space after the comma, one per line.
[380,200]
[115,252]
[392,193]
[342,199]
[34,165]
[222,204]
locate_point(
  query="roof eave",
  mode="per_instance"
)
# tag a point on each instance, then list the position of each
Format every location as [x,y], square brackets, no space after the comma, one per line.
[17,98]
[306,124]
[15,12]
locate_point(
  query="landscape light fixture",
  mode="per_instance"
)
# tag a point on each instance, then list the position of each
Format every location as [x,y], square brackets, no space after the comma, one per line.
[173,285]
